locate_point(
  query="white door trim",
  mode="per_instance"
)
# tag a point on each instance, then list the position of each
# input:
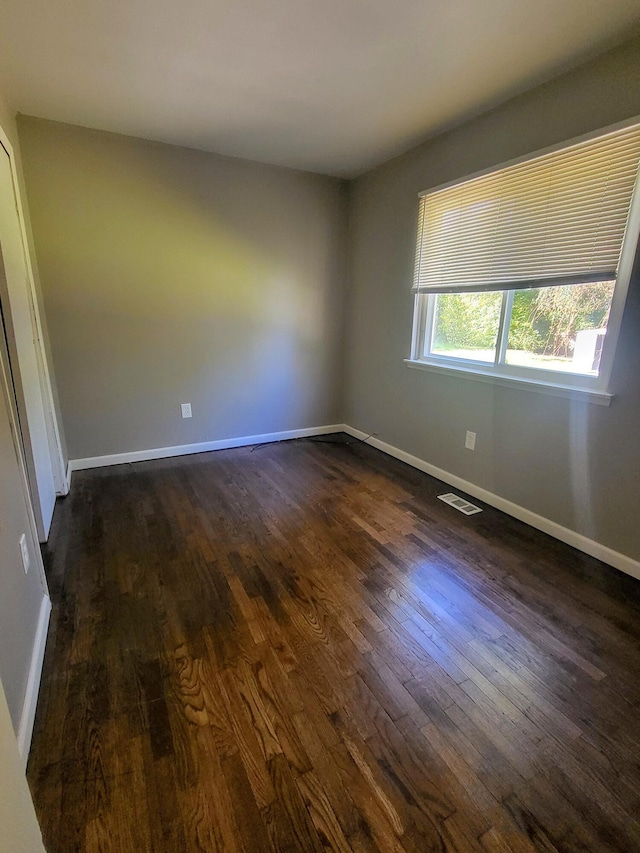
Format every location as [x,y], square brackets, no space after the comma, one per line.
[58,467]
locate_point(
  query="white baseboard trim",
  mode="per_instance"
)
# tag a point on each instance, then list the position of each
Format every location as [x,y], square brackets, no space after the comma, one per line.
[27,718]
[564,534]
[201,447]
[65,486]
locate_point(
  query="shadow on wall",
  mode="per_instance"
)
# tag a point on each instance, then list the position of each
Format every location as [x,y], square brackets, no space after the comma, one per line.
[173,275]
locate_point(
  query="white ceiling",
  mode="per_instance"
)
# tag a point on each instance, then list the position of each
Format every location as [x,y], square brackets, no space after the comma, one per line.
[332,86]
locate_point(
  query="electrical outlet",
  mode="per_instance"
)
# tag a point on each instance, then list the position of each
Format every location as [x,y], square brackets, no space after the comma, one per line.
[470,440]
[24,553]
[185,408]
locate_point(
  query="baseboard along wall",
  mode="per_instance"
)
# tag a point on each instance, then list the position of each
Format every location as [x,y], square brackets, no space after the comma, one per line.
[28,715]
[564,534]
[200,447]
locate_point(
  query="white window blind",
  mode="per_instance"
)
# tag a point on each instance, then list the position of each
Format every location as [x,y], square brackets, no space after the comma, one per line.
[557,219]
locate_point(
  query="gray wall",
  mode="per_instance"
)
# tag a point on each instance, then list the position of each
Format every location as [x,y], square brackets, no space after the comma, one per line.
[170,275]
[575,463]
[21,594]
[20,830]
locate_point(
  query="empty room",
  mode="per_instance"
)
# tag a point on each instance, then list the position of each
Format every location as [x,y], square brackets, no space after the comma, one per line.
[320,426]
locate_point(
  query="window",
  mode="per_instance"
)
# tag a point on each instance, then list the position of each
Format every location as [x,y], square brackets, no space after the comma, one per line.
[521,273]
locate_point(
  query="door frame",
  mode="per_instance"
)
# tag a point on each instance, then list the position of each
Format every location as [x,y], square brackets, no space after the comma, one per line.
[58,467]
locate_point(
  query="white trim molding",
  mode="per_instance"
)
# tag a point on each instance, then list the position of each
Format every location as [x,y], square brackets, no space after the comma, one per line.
[600,398]
[44,371]
[564,534]
[27,718]
[201,447]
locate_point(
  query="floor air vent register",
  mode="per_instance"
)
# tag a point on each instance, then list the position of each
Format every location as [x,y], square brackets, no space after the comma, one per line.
[459,503]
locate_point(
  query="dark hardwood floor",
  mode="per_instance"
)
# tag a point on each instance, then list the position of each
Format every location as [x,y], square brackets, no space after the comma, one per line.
[299,648]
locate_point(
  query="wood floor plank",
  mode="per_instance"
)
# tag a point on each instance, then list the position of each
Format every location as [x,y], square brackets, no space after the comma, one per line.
[322,814]
[297,647]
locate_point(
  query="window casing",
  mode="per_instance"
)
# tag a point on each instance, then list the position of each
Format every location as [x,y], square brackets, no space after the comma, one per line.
[550,229]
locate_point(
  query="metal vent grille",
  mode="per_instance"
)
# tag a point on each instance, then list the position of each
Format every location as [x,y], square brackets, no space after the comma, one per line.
[459,503]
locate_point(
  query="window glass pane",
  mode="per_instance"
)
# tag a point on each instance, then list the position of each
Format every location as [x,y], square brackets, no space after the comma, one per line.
[466,325]
[560,328]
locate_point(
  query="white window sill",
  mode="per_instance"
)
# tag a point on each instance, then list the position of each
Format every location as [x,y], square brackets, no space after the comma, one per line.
[600,398]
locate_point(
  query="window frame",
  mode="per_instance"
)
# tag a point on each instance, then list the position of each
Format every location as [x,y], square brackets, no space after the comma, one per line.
[565,383]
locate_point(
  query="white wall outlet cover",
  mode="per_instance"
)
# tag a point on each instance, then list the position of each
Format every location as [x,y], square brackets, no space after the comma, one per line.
[185,408]
[470,440]
[24,553]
